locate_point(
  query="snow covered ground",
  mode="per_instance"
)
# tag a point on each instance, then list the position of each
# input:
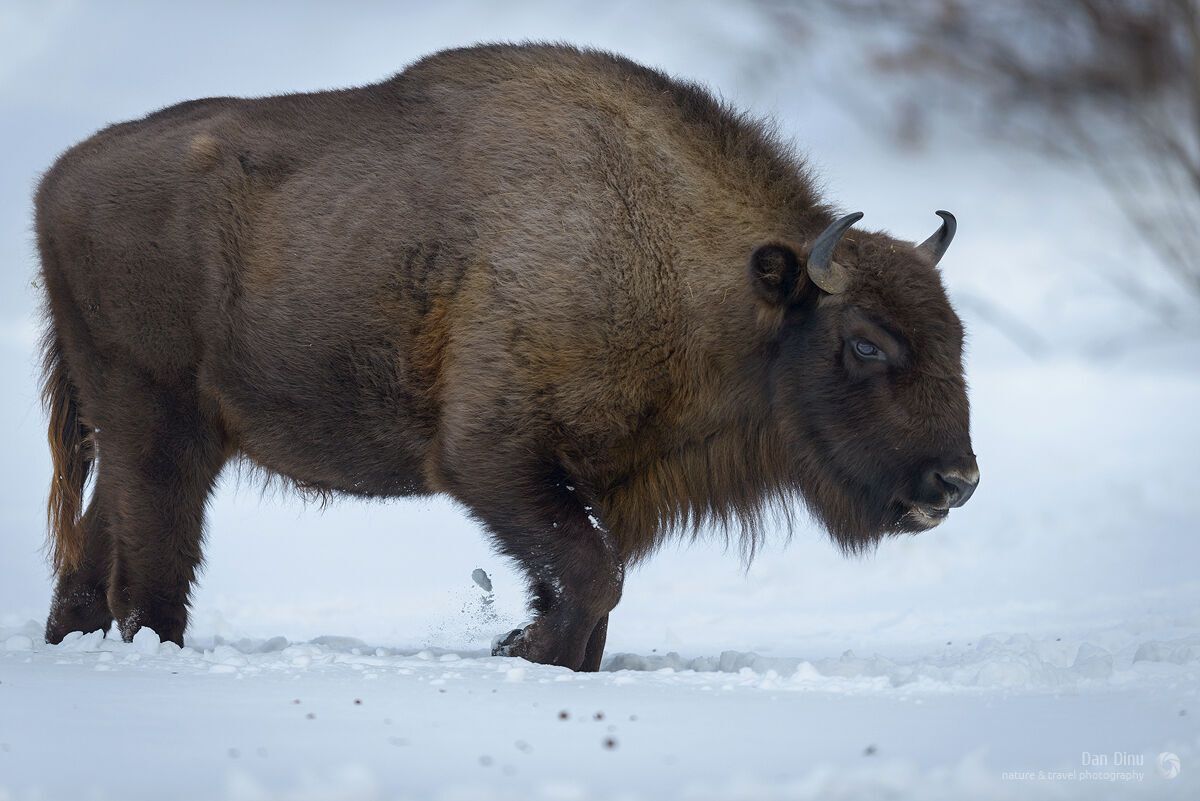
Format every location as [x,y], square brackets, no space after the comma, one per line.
[337,718]
[1051,623]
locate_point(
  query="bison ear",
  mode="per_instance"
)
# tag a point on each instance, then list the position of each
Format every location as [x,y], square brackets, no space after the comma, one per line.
[776,273]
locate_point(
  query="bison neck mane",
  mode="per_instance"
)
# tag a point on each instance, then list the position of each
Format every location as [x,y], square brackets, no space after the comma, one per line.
[734,479]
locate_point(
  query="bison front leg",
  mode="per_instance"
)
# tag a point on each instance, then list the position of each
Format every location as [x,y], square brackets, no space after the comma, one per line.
[571,598]
[595,647]
[574,569]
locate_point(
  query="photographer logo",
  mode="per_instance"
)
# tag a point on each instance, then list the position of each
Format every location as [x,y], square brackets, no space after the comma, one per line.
[1168,765]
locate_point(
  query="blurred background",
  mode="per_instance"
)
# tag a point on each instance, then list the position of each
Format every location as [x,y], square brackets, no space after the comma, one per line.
[1066,138]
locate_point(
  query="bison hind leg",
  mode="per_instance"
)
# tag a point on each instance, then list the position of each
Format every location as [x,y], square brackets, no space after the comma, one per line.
[81,593]
[161,452]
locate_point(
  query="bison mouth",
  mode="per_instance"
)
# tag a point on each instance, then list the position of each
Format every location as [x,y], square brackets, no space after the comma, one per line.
[922,517]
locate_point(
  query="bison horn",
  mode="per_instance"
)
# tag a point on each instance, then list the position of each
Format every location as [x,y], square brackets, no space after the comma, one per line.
[822,269]
[935,246]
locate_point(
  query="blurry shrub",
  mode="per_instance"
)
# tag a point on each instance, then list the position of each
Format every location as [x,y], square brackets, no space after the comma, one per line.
[1114,84]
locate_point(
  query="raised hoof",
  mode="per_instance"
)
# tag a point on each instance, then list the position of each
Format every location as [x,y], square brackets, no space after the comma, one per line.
[534,645]
[504,644]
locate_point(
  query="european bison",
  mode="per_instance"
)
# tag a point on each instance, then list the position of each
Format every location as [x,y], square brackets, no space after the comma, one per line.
[586,300]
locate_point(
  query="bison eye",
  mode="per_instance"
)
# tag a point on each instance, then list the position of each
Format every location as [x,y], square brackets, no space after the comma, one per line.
[868,350]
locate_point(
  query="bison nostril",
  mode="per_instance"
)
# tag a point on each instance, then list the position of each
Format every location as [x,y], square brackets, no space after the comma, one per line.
[959,485]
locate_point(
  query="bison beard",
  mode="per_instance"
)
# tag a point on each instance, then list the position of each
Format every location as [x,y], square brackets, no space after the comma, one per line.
[587,301]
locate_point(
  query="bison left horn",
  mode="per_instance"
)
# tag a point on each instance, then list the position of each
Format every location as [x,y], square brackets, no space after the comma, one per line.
[822,269]
[935,246]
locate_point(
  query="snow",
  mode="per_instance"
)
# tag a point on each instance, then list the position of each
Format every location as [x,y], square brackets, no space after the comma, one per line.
[18,642]
[345,653]
[342,719]
[480,577]
[146,641]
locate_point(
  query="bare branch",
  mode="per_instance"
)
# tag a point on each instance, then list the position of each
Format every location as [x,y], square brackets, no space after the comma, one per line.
[1114,84]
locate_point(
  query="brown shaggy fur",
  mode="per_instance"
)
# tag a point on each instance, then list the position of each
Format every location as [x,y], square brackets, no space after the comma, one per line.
[71,454]
[560,287]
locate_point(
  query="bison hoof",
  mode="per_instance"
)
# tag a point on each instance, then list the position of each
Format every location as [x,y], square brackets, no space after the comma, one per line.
[504,644]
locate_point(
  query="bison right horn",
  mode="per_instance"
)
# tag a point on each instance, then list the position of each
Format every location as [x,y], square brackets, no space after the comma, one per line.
[935,246]
[822,269]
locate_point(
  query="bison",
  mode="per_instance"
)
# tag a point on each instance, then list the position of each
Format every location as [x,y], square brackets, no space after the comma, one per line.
[590,302]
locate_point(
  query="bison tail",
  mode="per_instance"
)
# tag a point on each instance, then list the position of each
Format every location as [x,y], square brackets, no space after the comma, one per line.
[72,452]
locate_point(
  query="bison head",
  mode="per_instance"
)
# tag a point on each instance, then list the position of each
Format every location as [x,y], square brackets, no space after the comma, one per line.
[866,381]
